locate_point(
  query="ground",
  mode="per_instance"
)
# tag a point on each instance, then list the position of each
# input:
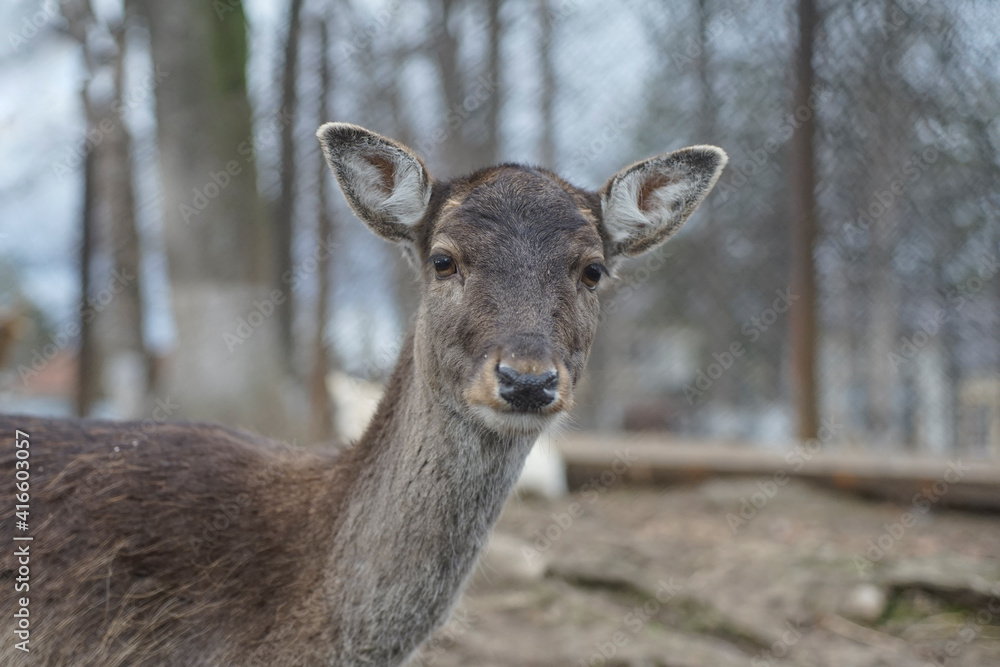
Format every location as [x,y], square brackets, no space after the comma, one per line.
[623,575]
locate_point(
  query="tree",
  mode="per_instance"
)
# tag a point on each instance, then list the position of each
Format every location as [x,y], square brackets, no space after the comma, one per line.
[547,152]
[88,363]
[228,364]
[491,145]
[285,208]
[710,244]
[115,360]
[802,190]
[446,56]
[321,414]
[468,94]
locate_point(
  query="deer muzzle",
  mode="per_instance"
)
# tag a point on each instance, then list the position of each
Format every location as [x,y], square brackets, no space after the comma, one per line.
[527,392]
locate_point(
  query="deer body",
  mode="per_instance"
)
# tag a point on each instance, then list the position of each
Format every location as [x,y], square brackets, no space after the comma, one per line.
[191,544]
[305,558]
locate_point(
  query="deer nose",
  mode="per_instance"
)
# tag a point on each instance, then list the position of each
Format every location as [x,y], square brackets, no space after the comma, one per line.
[527,392]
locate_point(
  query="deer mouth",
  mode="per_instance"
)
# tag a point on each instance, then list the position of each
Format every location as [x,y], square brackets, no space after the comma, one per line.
[516,423]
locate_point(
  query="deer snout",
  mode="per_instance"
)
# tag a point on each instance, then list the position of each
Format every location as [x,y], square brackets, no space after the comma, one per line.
[520,385]
[527,392]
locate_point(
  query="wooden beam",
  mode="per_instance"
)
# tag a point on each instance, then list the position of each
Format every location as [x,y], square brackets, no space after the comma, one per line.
[657,459]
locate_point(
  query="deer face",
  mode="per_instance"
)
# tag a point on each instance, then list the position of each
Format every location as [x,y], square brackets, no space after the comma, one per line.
[510,264]
[510,260]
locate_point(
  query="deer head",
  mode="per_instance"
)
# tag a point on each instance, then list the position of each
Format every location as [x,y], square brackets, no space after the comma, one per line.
[510,261]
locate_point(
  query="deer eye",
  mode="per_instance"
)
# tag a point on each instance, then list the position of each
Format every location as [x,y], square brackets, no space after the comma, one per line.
[444,266]
[592,275]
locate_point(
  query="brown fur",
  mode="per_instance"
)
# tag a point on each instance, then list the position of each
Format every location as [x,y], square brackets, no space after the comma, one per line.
[123,561]
[192,544]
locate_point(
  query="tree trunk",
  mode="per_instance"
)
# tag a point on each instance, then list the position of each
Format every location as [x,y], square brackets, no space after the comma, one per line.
[491,148]
[453,149]
[321,419]
[547,152]
[113,354]
[88,363]
[285,209]
[711,238]
[707,104]
[891,120]
[228,364]
[882,329]
[802,188]
[126,370]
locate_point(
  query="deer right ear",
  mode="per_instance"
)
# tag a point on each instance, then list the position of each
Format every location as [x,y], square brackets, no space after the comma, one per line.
[643,205]
[387,186]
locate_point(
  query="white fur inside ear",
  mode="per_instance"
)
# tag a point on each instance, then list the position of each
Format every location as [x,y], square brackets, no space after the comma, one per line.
[623,217]
[650,200]
[406,202]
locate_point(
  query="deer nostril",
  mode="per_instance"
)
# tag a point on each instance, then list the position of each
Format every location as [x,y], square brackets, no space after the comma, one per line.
[550,380]
[527,392]
[507,374]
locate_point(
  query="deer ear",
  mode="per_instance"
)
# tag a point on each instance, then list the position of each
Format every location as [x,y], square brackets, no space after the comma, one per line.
[385,183]
[644,204]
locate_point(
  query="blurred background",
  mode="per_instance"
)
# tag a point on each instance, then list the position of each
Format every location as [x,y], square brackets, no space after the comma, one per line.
[172,247]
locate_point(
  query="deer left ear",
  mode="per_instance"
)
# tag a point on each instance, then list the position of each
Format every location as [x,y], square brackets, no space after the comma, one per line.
[644,204]
[385,183]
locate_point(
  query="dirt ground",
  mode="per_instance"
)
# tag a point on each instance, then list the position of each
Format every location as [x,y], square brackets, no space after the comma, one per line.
[646,576]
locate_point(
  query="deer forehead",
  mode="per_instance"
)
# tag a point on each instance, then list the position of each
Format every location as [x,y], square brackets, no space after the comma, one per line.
[511,208]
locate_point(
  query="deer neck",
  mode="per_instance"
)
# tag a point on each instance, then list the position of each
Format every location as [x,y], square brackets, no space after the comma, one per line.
[428,486]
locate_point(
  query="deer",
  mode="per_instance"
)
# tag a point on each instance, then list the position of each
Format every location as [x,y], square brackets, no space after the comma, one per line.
[194,544]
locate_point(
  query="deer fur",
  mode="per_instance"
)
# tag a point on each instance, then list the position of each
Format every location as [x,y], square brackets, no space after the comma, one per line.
[193,544]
